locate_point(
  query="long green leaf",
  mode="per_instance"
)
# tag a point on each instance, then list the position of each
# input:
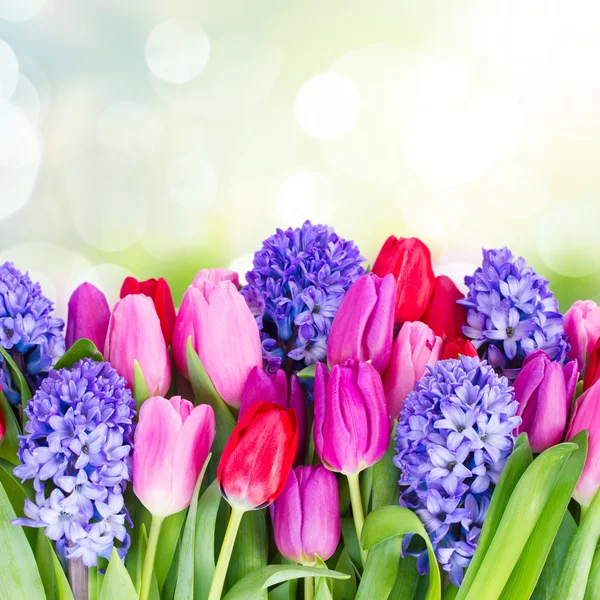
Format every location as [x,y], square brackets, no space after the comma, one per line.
[393,521]
[592,590]
[82,348]
[10,443]
[522,512]
[381,570]
[19,575]
[169,537]
[366,486]
[344,589]
[407,580]
[17,378]
[140,387]
[351,543]
[523,579]
[43,557]
[63,589]
[117,583]
[385,478]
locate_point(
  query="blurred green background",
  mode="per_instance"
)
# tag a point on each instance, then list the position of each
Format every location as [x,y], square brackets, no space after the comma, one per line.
[156,138]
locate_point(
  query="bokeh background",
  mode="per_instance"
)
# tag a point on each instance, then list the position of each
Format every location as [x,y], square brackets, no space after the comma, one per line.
[156,138]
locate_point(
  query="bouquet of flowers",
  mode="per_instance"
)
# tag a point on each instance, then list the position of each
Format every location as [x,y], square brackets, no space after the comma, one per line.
[409,442]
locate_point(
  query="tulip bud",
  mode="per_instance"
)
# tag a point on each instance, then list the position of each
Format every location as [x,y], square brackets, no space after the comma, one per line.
[586,415]
[415,347]
[274,389]
[134,333]
[456,347]
[363,328]
[409,260]
[171,444]
[582,326]
[88,316]
[160,292]
[214,276]
[351,428]
[544,391]
[443,315]
[306,516]
[592,370]
[224,334]
[258,456]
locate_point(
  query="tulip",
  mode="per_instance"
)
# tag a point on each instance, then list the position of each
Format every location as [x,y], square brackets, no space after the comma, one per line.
[582,325]
[443,315]
[586,415]
[306,516]
[2,426]
[592,371]
[363,328]
[134,334]
[409,260]
[160,292]
[415,348]
[456,347]
[171,445]
[262,386]
[214,276]
[224,334]
[544,390]
[88,316]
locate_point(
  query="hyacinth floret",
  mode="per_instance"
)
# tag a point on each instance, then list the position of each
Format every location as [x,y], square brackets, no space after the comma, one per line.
[454,436]
[512,313]
[295,289]
[76,448]
[28,331]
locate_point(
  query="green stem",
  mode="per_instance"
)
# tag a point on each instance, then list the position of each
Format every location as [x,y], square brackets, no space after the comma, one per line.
[309,588]
[218,580]
[357,510]
[150,555]
[582,510]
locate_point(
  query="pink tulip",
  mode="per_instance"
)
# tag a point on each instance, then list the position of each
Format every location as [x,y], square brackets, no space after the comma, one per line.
[415,348]
[582,325]
[214,276]
[134,333]
[88,316]
[223,333]
[262,386]
[171,443]
[363,328]
[544,391]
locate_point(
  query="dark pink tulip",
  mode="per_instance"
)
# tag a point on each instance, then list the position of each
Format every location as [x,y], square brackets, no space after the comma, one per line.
[352,427]
[544,391]
[88,316]
[582,325]
[363,328]
[306,516]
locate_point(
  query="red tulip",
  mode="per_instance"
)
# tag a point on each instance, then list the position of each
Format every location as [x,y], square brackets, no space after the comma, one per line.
[456,347]
[443,314]
[592,371]
[258,456]
[409,260]
[160,292]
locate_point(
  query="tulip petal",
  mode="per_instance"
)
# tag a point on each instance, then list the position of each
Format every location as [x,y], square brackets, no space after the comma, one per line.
[287,513]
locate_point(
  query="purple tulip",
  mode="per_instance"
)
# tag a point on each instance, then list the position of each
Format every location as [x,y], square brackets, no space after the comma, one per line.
[275,389]
[363,328]
[88,316]
[582,325]
[544,391]
[306,517]
[352,428]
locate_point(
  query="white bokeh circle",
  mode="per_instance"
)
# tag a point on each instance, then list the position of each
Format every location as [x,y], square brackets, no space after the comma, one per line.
[9,71]
[191,180]
[20,10]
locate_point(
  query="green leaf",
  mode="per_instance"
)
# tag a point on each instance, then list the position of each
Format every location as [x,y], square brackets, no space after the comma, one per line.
[592,590]
[308,372]
[10,443]
[185,573]
[524,577]
[17,492]
[381,569]
[366,485]
[351,543]
[450,593]
[515,467]
[17,378]
[82,348]
[117,583]
[407,580]
[322,591]
[523,510]
[43,557]
[385,478]
[140,388]
[344,589]
[19,575]
[93,583]
[169,537]
[395,521]
[63,589]
[253,584]
[576,570]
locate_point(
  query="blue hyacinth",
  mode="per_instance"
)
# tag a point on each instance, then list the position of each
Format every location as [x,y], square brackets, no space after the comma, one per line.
[78,440]
[28,331]
[295,289]
[453,439]
[512,313]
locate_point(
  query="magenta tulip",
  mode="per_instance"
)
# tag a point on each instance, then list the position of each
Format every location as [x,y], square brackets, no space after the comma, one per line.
[363,328]
[415,347]
[171,444]
[351,428]
[306,516]
[223,332]
[544,390]
[135,334]
[88,316]
[275,389]
[582,325]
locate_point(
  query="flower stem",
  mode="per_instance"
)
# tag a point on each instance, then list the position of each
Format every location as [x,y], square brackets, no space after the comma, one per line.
[218,580]
[78,578]
[357,510]
[309,588]
[150,555]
